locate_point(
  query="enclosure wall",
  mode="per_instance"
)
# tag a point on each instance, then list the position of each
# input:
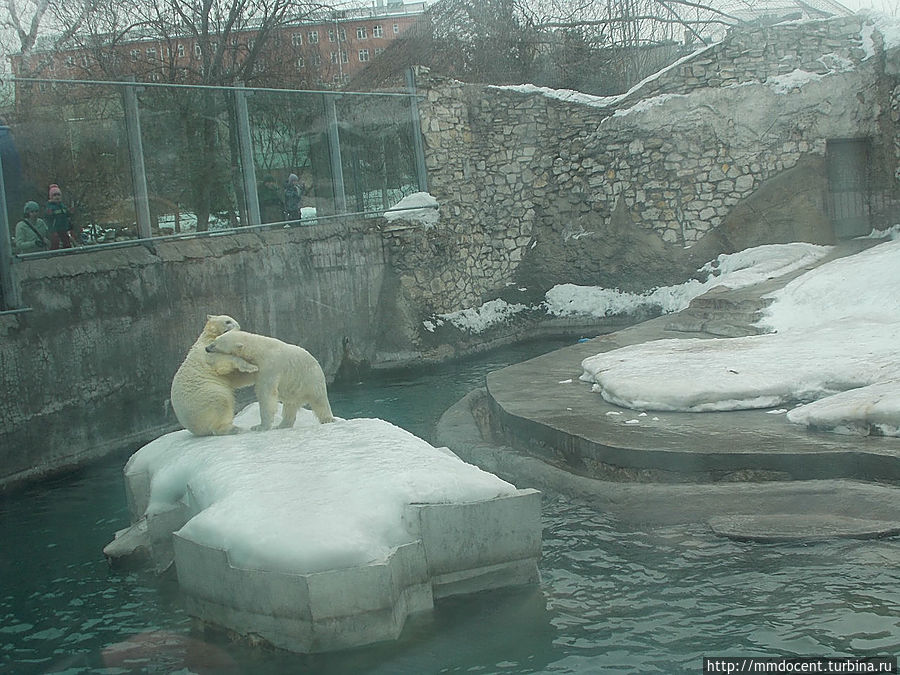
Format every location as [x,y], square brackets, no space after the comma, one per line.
[88,369]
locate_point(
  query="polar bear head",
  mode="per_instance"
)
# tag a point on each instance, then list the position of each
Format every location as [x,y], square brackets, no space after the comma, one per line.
[231,342]
[217,324]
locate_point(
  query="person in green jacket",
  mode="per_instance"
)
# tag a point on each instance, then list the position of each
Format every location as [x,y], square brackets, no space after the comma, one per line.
[31,232]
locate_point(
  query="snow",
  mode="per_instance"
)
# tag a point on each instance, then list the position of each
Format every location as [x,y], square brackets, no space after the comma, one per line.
[832,349]
[419,207]
[307,499]
[735,270]
[478,319]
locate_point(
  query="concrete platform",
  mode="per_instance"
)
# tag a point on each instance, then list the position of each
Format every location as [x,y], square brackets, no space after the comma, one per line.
[441,547]
[460,548]
[537,424]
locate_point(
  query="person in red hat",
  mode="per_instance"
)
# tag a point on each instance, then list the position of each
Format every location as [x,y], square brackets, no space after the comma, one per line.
[63,232]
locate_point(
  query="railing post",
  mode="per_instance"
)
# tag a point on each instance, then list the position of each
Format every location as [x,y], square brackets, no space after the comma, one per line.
[8,281]
[138,172]
[334,153]
[245,148]
[418,145]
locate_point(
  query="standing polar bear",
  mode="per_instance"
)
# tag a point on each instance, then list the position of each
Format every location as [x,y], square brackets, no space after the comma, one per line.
[287,373]
[202,393]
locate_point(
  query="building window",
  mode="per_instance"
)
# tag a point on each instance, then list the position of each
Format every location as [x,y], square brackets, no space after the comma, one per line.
[300,64]
[363,55]
[332,36]
[317,60]
[297,39]
[70,62]
[377,31]
[361,33]
[135,54]
[342,35]
[396,28]
[198,52]
[313,37]
[378,51]
[334,57]
[181,51]
[151,54]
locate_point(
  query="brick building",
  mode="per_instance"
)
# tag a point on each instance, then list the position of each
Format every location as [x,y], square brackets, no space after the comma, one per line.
[319,52]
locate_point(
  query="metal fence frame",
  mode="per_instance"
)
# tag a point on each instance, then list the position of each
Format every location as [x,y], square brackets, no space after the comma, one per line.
[11,295]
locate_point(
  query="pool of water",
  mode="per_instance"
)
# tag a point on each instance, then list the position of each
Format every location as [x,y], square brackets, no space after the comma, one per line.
[613,597]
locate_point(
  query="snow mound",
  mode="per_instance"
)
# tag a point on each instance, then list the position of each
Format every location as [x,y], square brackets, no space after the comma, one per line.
[867,411]
[307,499]
[735,270]
[419,207]
[836,329]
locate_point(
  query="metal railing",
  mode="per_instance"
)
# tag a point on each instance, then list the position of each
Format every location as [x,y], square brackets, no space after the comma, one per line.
[151,162]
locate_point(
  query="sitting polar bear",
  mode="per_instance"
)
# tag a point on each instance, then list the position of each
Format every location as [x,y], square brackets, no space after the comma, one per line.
[287,373]
[202,393]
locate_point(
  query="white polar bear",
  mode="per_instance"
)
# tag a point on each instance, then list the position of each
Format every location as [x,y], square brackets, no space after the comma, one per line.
[202,393]
[287,373]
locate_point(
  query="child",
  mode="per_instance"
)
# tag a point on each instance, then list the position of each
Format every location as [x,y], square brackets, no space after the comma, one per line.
[63,232]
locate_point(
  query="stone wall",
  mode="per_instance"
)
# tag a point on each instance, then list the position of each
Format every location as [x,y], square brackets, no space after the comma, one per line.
[541,187]
[88,369]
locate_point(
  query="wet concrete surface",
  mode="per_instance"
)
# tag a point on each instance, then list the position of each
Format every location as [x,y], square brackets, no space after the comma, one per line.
[537,425]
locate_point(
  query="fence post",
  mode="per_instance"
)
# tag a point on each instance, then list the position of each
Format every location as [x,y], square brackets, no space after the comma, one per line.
[334,153]
[138,172]
[245,148]
[8,282]
[418,146]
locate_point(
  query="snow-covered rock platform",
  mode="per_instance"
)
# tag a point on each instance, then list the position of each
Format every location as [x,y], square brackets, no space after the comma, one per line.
[323,537]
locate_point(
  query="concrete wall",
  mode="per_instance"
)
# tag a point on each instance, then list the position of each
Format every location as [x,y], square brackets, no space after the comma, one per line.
[88,370]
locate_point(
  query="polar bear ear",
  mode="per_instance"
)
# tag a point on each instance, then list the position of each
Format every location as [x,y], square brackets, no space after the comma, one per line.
[209,317]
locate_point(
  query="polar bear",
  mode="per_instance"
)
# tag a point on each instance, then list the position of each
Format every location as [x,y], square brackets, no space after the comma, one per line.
[287,373]
[202,393]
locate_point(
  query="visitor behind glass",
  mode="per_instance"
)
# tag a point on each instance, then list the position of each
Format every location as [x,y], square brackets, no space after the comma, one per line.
[31,231]
[63,233]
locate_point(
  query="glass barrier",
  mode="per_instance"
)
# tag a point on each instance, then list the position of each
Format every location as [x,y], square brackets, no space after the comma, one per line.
[140,161]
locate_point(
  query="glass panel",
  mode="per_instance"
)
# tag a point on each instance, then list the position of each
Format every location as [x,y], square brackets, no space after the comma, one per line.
[288,134]
[74,136]
[191,160]
[376,151]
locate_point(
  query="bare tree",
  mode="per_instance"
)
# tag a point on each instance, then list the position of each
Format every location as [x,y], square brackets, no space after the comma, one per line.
[209,42]
[29,19]
[600,47]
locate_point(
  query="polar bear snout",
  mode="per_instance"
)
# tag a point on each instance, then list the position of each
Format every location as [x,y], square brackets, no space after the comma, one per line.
[210,348]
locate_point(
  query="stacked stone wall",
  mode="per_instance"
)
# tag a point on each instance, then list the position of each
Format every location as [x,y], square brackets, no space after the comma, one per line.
[552,187]
[758,54]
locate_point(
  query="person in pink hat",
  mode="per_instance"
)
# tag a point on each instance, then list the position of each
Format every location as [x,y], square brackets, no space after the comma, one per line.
[63,232]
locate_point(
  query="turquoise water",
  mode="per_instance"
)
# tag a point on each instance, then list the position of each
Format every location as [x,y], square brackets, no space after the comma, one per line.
[613,598]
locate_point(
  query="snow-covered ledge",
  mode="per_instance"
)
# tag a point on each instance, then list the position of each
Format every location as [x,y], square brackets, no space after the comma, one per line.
[324,537]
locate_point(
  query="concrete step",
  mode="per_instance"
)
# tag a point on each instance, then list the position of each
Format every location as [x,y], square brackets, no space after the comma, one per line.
[800,527]
[722,312]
